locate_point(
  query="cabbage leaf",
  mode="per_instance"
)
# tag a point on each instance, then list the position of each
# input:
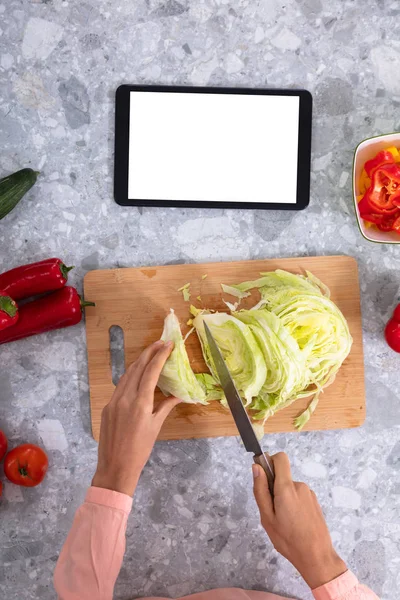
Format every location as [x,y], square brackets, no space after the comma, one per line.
[177,377]
[239,348]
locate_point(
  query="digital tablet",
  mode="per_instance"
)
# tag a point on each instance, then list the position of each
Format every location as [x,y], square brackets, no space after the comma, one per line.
[212,147]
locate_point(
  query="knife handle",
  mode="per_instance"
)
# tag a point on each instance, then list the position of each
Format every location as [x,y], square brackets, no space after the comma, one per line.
[265,461]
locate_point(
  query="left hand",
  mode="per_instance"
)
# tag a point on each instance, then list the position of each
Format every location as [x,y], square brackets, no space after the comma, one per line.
[129,423]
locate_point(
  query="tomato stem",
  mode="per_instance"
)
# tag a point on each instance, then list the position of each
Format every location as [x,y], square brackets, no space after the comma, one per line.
[23,470]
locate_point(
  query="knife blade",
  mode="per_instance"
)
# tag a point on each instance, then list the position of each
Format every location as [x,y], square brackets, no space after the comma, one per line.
[238,411]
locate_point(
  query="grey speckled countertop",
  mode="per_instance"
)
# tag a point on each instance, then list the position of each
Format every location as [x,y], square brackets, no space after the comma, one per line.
[194,525]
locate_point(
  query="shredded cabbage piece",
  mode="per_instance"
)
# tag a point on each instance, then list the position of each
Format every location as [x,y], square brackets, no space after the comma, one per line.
[234,290]
[232,307]
[302,419]
[189,333]
[194,311]
[184,287]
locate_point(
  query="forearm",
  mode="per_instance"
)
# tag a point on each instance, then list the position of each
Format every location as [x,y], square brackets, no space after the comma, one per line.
[92,555]
[344,587]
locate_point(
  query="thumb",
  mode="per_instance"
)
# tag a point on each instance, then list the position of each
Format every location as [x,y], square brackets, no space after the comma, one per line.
[262,494]
[165,407]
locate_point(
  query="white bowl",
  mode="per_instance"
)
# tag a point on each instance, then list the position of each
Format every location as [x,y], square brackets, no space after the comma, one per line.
[365,151]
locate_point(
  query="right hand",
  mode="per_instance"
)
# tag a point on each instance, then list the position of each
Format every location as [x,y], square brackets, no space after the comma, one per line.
[294,521]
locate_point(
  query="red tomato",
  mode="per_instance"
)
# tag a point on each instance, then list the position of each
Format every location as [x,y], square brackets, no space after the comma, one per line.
[26,465]
[3,444]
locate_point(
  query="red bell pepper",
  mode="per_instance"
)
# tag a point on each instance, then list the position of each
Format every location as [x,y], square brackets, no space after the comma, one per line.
[9,314]
[382,158]
[34,279]
[392,330]
[54,311]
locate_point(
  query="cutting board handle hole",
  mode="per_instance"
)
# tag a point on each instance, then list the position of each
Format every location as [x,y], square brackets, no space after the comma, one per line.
[117,352]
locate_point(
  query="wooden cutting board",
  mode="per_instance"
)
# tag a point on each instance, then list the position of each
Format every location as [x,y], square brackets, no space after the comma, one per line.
[138,300]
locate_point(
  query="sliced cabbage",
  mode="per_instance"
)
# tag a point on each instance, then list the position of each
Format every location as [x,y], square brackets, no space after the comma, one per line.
[320,330]
[177,377]
[287,373]
[239,348]
[289,346]
[313,332]
[211,387]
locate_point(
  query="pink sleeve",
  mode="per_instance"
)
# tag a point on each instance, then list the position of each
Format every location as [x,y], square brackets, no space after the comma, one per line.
[91,557]
[344,587]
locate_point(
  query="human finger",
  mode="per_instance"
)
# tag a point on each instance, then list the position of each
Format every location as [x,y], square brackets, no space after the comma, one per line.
[165,407]
[262,494]
[153,370]
[119,389]
[283,475]
[136,370]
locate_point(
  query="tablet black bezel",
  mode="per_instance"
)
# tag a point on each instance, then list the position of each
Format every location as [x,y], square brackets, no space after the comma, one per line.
[121,156]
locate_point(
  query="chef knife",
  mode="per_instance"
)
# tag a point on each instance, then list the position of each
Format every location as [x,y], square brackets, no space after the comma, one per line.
[238,411]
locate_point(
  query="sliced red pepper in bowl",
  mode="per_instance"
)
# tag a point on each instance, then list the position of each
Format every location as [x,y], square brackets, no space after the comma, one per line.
[366,207]
[396,224]
[371,218]
[382,199]
[383,157]
[386,225]
[379,203]
[385,188]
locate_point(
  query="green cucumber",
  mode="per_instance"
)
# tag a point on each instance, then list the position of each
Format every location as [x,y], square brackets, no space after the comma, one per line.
[14,187]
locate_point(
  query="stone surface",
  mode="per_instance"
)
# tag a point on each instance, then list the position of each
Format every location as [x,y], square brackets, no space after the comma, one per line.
[194,525]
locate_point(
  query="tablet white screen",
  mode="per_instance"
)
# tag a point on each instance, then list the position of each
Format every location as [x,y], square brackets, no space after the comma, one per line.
[213,147]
